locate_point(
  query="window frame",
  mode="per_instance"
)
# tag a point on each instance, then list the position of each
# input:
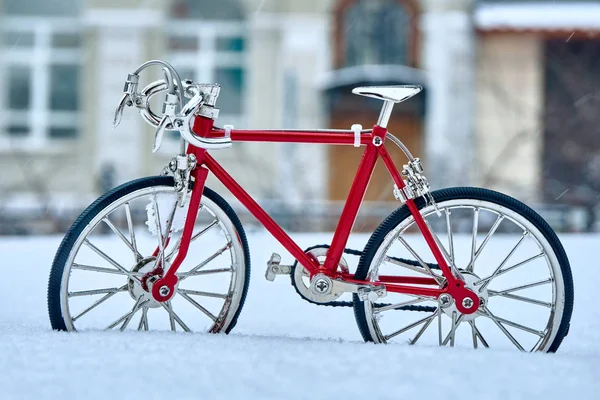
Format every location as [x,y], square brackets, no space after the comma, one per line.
[206,58]
[339,32]
[39,58]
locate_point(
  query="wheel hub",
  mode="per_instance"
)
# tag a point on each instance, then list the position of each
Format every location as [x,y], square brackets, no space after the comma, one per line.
[143,291]
[448,304]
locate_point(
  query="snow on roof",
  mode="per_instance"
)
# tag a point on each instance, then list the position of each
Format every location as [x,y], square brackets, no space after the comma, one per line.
[538,16]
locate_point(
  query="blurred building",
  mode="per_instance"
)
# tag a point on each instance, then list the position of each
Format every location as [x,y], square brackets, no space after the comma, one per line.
[510,99]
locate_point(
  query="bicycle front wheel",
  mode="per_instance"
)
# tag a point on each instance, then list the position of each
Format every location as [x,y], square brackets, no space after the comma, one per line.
[101,272]
[505,252]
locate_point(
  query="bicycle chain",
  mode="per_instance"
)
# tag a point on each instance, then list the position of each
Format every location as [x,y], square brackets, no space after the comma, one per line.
[350,303]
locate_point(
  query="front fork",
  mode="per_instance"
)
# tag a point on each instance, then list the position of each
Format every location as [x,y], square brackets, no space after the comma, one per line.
[164,288]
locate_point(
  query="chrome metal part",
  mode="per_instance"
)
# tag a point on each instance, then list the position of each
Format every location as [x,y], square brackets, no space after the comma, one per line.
[377,141]
[321,285]
[467,302]
[530,281]
[371,292]
[181,167]
[301,278]
[386,112]
[164,291]
[416,185]
[401,145]
[88,311]
[275,268]
[203,98]
[445,300]
[470,279]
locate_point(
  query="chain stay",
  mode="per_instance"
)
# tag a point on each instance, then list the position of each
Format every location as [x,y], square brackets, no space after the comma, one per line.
[350,303]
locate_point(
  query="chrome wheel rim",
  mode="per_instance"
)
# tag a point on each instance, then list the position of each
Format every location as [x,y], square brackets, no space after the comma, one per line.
[120,240]
[525,314]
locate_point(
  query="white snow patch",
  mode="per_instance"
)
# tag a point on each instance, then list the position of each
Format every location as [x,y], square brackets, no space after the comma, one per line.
[548,15]
[166,202]
[281,348]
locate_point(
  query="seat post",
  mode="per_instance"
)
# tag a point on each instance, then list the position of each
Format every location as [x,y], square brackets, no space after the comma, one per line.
[386,112]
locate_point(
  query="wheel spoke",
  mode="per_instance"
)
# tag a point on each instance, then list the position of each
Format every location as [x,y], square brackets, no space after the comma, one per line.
[377,310]
[194,271]
[505,270]
[424,327]
[473,334]
[486,281]
[110,260]
[450,240]
[171,318]
[113,228]
[127,315]
[441,247]
[452,333]
[526,286]
[478,334]
[203,231]
[143,320]
[421,262]
[439,320]
[485,241]
[204,272]
[98,302]
[406,328]
[198,306]
[175,316]
[93,268]
[196,236]
[95,291]
[520,298]
[131,230]
[135,309]
[474,239]
[393,260]
[161,240]
[491,316]
[200,293]
[519,326]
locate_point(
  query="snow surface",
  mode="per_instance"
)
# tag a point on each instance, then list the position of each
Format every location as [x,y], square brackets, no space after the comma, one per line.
[548,15]
[281,348]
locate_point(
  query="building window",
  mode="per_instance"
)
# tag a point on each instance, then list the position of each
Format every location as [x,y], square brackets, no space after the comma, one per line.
[375,32]
[208,45]
[41,62]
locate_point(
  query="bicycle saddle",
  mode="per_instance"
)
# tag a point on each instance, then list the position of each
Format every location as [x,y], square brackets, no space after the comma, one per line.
[396,94]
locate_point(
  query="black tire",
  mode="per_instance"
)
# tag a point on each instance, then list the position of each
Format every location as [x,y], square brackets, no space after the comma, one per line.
[468,193]
[59,264]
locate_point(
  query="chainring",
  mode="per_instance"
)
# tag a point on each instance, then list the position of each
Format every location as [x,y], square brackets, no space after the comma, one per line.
[300,278]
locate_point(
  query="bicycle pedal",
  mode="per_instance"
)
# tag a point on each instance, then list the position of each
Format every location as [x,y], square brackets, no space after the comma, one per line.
[275,268]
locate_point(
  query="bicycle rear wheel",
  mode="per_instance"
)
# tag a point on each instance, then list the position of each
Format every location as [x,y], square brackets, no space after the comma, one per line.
[99,278]
[505,252]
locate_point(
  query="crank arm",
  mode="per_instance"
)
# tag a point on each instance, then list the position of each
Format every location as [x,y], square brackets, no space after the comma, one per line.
[321,284]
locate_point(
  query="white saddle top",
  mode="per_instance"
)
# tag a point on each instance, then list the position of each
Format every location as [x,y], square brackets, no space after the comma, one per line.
[396,94]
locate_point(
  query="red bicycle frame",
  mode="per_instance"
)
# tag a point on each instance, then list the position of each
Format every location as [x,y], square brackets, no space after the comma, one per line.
[374,141]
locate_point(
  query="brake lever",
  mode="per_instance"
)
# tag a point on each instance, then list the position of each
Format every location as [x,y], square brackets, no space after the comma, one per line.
[125,101]
[160,131]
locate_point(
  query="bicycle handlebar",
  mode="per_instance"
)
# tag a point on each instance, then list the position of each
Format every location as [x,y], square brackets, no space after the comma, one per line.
[177,115]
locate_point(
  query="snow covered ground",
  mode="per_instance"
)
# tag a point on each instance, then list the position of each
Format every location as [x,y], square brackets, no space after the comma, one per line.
[281,348]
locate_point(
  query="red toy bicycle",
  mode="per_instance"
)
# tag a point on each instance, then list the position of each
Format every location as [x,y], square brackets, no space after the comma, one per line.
[483,267]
